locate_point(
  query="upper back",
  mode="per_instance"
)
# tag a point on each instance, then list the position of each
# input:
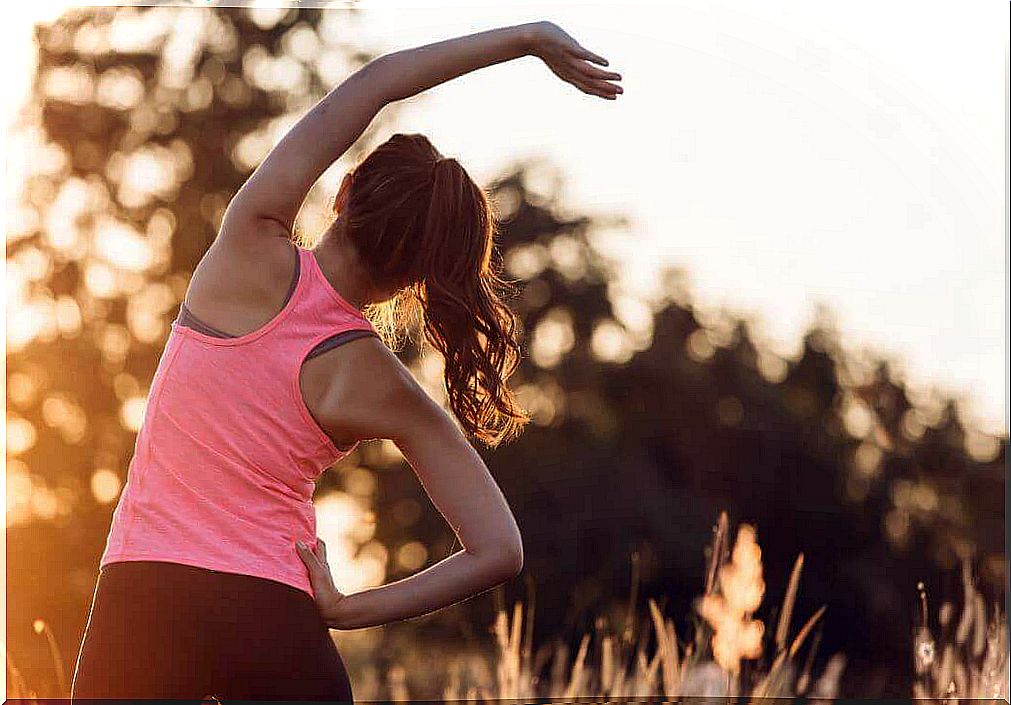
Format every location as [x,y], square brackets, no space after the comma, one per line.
[226,459]
[254,378]
[358,390]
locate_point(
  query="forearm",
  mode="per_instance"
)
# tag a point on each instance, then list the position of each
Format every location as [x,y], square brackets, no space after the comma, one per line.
[278,186]
[407,72]
[344,113]
[451,580]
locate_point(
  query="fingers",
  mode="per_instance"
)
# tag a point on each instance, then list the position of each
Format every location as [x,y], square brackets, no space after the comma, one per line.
[594,72]
[597,88]
[593,80]
[312,562]
[321,551]
[608,90]
[584,53]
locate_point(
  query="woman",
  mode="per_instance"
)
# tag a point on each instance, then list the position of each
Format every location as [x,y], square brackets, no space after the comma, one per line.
[213,582]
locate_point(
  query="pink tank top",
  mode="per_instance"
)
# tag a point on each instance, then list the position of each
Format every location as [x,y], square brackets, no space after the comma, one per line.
[225,463]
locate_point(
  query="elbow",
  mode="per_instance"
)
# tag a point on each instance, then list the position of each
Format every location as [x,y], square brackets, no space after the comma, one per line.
[516,564]
[509,562]
[503,562]
[374,79]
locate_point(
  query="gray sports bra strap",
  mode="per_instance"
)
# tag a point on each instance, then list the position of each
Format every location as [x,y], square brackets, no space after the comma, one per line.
[186,318]
[339,339]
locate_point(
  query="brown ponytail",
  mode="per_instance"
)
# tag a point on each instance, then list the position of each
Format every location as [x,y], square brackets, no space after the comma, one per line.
[422,226]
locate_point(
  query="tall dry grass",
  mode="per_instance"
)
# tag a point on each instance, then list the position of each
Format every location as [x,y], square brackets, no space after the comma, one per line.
[728,654]
[965,655]
[629,661]
[18,686]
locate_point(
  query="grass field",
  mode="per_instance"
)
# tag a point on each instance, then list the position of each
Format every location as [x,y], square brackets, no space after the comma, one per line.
[730,654]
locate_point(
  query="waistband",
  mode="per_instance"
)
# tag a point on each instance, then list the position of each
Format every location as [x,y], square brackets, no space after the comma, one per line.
[145,576]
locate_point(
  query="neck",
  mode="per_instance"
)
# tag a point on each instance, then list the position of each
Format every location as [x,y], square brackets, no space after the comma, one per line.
[342,268]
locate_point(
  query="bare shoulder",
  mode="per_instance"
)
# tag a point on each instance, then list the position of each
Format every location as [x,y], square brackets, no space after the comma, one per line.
[242,279]
[267,251]
[373,394]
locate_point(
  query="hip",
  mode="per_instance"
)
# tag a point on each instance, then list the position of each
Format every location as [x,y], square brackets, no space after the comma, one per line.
[162,629]
[159,589]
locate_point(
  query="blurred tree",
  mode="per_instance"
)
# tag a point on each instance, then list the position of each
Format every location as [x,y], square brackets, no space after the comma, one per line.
[649,417]
[147,120]
[641,436]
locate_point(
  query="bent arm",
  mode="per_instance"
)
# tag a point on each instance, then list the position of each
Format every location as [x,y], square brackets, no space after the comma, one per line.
[384,401]
[278,186]
[460,486]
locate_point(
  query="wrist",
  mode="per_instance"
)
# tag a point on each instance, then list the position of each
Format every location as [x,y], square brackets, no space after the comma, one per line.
[527,37]
[339,616]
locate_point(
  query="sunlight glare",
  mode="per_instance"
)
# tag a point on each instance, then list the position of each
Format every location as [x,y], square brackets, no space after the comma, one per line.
[131,413]
[105,485]
[344,526]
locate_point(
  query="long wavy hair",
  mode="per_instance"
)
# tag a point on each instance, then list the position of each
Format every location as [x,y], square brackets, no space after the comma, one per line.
[423,228]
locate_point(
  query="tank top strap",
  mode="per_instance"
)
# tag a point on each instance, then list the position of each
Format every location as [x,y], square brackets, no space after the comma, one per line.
[323,299]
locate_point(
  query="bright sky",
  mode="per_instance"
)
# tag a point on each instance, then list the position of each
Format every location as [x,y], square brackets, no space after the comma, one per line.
[785,153]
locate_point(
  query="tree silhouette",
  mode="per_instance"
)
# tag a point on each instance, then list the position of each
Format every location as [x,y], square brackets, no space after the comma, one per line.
[825,453]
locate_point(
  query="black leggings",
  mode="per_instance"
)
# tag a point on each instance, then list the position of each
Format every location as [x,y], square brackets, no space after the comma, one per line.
[166,630]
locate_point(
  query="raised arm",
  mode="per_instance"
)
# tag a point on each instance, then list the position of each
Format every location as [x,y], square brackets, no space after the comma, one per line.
[269,201]
[381,399]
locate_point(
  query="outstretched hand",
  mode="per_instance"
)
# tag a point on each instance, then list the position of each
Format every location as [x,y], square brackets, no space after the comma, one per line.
[572,63]
[328,597]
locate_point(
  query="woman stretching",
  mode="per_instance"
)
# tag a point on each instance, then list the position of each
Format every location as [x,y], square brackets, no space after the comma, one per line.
[213,582]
